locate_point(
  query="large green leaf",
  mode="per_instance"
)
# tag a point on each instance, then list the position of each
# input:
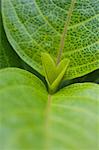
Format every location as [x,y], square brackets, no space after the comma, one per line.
[8,57]
[33,120]
[35,26]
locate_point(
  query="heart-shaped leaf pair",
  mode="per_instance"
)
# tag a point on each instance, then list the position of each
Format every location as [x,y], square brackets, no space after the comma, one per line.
[31,119]
[53,73]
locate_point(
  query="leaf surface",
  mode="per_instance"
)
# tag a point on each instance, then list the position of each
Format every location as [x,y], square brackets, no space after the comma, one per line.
[32,119]
[35,26]
[8,57]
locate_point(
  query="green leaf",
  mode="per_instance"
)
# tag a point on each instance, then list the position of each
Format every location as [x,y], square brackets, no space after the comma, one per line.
[35,26]
[8,57]
[53,73]
[32,119]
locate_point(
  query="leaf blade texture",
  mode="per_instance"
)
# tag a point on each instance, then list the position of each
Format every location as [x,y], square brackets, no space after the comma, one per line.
[8,57]
[31,116]
[36,26]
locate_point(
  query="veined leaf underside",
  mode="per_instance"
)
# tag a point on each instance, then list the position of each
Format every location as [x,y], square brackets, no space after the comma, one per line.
[37,26]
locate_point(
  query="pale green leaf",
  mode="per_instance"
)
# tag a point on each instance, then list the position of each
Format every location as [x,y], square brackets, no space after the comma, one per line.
[53,73]
[35,26]
[33,120]
[8,57]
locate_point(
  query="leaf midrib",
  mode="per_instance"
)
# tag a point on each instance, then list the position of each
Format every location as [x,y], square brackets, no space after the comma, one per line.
[64,34]
[47,111]
[58,60]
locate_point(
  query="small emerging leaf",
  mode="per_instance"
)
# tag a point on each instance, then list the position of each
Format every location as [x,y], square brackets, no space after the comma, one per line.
[53,73]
